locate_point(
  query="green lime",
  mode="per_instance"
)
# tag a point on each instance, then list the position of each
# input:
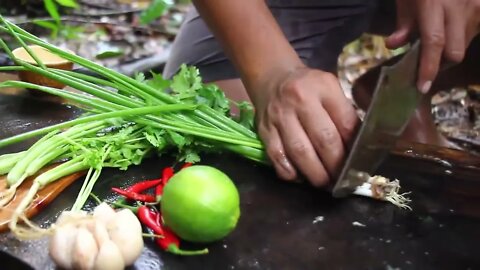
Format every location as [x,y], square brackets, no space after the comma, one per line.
[200,204]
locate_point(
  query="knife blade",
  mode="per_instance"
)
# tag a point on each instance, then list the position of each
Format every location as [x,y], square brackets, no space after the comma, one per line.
[394,101]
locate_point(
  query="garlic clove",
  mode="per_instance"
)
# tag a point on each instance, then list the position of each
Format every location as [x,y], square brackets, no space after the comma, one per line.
[126,232]
[70,217]
[99,231]
[61,245]
[104,213]
[109,257]
[84,251]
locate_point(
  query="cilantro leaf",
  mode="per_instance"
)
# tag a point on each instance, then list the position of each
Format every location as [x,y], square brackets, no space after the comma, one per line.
[214,98]
[177,139]
[138,156]
[140,77]
[247,115]
[190,156]
[157,141]
[186,83]
[155,138]
[158,82]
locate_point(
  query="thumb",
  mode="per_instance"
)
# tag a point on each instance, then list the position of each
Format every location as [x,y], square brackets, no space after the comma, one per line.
[405,24]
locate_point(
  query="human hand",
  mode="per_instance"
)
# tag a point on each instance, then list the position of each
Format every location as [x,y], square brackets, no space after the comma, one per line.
[305,121]
[446,28]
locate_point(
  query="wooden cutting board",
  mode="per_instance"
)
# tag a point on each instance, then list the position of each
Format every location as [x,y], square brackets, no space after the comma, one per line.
[43,198]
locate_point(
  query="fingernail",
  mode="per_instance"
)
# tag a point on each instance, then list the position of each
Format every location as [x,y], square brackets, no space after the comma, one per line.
[426,87]
[286,165]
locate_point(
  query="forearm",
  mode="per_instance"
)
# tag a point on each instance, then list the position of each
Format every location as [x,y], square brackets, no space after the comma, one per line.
[250,36]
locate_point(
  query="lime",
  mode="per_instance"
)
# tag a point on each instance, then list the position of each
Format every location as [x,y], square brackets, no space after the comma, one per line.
[200,204]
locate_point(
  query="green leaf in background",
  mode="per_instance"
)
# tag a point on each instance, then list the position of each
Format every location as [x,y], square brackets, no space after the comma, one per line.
[65,31]
[46,24]
[71,32]
[49,25]
[52,9]
[109,54]
[156,9]
[67,3]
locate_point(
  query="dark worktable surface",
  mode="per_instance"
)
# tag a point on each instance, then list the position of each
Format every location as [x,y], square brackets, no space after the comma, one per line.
[281,224]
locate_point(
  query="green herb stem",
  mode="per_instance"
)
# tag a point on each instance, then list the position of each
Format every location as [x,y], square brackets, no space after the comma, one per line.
[44,159]
[157,122]
[8,161]
[127,113]
[131,83]
[253,153]
[25,46]
[19,171]
[64,169]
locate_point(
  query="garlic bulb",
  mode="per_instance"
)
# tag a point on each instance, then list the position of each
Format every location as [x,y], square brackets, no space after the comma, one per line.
[106,240]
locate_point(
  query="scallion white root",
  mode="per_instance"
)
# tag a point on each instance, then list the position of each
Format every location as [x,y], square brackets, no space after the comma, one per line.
[22,232]
[7,195]
[30,230]
[381,188]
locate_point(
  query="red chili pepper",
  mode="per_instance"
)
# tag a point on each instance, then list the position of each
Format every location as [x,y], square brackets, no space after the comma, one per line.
[135,196]
[186,165]
[159,192]
[171,243]
[140,187]
[144,185]
[150,218]
[167,173]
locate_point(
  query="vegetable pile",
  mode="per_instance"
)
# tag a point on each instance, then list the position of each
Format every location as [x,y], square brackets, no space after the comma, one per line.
[201,213]
[108,240]
[126,120]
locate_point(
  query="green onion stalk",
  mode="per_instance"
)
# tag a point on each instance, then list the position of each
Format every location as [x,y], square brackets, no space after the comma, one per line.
[226,131]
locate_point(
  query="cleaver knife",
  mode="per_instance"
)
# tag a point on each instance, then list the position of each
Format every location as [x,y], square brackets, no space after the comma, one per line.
[393,103]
